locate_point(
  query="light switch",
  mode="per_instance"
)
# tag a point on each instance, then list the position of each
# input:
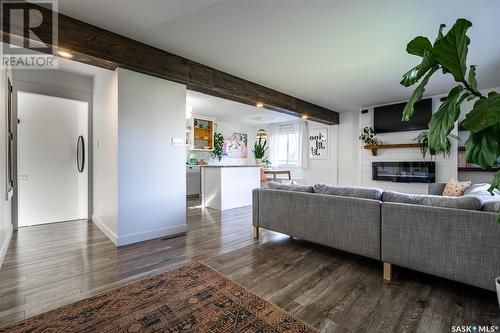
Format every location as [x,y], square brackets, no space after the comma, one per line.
[178,142]
[23,177]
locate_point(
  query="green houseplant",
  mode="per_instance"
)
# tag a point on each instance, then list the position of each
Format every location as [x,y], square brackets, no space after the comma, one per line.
[218,143]
[368,136]
[259,150]
[448,54]
[423,140]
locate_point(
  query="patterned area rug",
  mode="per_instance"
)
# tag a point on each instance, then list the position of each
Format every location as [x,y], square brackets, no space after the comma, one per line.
[192,298]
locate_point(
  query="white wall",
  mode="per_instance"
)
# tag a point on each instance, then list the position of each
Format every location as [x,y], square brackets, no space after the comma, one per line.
[51,79]
[151,172]
[322,170]
[227,128]
[348,149]
[105,143]
[5,203]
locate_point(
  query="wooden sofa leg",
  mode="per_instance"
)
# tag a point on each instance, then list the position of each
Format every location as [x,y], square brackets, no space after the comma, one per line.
[255,232]
[387,271]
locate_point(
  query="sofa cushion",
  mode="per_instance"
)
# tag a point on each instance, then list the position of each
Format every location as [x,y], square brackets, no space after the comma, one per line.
[347,191]
[491,204]
[454,188]
[463,202]
[283,187]
[481,190]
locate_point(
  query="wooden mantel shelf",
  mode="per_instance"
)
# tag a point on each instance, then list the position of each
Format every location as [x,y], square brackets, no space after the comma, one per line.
[375,148]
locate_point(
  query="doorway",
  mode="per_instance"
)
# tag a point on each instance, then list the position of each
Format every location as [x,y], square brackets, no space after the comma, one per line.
[52,159]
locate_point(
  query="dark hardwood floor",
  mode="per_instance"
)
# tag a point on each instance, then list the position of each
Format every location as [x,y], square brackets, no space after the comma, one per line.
[52,265]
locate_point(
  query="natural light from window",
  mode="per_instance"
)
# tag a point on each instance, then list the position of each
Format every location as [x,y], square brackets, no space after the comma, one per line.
[288,149]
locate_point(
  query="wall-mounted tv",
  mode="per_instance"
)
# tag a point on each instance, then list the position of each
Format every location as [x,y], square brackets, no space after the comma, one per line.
[388,118]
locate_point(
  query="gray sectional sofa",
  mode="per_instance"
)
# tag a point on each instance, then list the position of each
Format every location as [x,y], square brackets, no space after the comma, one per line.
[454,238]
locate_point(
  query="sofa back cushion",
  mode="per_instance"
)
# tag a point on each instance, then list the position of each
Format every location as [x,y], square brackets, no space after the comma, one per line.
[481,190]
[463,202]
[491,204]
[348,191]
[283,187]
[436,188]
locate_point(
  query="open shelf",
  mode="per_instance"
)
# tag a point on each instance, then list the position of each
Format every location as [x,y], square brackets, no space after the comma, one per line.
[469,167]
[375,148]
[477,169]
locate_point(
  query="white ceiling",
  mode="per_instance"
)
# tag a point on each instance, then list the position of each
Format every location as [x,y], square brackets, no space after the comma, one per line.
[233,112]
[339,54]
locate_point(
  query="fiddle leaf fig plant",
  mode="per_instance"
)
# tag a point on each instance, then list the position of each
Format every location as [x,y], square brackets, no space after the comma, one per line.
[448,54]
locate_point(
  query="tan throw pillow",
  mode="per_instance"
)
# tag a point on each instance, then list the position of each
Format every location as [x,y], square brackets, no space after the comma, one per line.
[454,188]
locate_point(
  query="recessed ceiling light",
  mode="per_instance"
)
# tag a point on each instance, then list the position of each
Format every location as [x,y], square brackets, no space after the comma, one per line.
[65,54]
[259,105]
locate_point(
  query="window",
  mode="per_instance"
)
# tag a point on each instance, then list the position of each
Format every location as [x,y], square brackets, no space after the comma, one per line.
[288,146]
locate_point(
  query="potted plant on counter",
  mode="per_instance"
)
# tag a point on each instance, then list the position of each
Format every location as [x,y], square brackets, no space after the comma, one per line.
[259,150]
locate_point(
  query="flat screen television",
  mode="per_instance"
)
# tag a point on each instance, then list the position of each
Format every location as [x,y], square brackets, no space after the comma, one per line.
[388,118]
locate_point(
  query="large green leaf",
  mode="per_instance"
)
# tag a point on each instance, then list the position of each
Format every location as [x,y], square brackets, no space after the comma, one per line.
[428,61]
[483,147]
[410,77]
[451,50]
[472,77]
[486,112]
[418,45]
[440,32]
[417,95]
[443,121]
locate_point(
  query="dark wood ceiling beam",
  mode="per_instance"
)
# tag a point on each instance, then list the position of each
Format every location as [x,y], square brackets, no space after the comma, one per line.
[99,47]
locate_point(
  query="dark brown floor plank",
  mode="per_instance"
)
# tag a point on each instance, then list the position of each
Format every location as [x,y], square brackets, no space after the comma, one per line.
[53,265]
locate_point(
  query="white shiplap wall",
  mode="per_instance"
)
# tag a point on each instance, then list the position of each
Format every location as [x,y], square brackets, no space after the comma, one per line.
[446,168]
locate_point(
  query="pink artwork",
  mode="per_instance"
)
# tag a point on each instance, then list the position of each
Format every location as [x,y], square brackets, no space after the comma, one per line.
[235,146]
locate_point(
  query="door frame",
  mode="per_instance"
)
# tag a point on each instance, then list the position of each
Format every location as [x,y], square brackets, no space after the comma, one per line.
[39,89]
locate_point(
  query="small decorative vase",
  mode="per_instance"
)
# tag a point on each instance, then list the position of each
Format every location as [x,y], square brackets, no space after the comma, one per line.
[258,161]
[497,282]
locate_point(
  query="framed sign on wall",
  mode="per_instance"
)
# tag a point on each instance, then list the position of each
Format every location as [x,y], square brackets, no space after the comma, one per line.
[318,143]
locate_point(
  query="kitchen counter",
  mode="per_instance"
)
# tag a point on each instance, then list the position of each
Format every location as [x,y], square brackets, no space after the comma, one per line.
[228,186]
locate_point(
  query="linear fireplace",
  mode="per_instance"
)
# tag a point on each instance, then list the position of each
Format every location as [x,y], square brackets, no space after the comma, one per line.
[404,172]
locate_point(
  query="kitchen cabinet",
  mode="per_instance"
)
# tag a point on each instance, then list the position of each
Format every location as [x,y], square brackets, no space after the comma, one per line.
[193,180]
[200,133]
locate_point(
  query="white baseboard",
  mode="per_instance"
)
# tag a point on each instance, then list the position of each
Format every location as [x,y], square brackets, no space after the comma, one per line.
[152,234]
[104,228]
[140,236]
[4,246]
